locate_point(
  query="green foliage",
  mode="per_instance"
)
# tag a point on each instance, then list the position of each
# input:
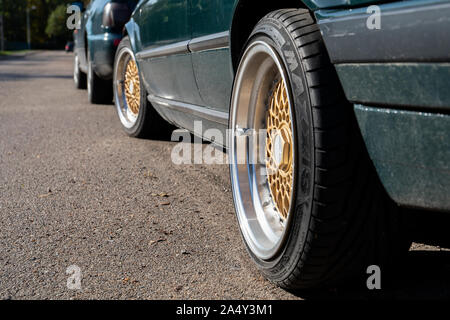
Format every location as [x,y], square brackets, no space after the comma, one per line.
[56,25]
[14,15]
[14,20]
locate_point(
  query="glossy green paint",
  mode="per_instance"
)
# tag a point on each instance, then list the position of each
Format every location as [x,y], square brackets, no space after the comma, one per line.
[411,152]
[328,12]
[95,13]
[213,69]
[165,22]
[133,32]
[102,50]
[211,16]
[214,76]
[420,85]
[324,4]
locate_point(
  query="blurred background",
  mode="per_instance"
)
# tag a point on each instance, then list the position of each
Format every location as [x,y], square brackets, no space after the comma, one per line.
[34,24]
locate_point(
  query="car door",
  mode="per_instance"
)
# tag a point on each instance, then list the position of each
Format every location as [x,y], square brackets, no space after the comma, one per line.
[211,21]
[163,54]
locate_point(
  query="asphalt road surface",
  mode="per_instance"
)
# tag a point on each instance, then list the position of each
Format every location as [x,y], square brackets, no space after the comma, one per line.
[76,191]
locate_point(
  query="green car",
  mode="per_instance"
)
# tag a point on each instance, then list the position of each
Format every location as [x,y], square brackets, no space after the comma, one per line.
[95,43]
[335,115]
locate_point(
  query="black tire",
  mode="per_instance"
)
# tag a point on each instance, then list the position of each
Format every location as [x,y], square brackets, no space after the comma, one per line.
[99,90]
[149,124]
[343,221]
[79,77]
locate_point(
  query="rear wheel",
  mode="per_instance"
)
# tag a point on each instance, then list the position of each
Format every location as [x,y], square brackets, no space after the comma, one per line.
[99,90]
[138,117]
[79,77]
[310,207]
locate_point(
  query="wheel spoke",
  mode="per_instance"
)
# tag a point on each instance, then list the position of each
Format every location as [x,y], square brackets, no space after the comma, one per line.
[132,87]
[280,162]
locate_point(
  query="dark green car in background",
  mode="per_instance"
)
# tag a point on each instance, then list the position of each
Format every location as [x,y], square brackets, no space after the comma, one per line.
[352,97]
[96,41]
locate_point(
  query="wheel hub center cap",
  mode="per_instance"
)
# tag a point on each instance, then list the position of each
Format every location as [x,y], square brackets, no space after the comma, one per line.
[282,150]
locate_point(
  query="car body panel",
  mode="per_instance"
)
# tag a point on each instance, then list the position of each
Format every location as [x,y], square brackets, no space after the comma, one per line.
[413,31]
[102,49]
[406,63]
[403,71]
[168,76]
[212,18]
[131,29]
[322,4]
[416,86]
[398,83]
[411,152]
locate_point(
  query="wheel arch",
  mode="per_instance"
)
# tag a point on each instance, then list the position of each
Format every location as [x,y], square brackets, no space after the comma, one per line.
[130,30]
[245,17]
[86,46]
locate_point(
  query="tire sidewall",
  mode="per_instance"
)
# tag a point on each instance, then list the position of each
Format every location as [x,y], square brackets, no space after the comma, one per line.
[278,269]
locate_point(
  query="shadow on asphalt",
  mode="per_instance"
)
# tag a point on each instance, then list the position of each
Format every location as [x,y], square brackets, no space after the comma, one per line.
[30,59]
[424,273]
[19,77]
[33,57]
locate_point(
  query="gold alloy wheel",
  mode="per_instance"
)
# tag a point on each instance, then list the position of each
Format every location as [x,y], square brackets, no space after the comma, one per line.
[132,87]
[279,149]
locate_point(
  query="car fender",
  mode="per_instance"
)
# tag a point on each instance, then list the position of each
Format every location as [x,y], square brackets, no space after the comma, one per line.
[131,29]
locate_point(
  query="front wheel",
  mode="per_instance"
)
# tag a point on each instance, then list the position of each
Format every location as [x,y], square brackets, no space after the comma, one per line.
[310,207]
[138,117]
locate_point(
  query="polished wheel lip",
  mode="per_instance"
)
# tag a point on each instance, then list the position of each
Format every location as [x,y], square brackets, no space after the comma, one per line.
[127,117]
[264,231]
[76,69]
[89,79]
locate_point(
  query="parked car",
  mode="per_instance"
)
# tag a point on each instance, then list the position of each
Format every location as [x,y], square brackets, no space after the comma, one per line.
[353,102]
[69,46]
[96,42]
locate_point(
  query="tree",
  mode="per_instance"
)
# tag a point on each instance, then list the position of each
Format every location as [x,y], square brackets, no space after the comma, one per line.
[56,25]
[14,21]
